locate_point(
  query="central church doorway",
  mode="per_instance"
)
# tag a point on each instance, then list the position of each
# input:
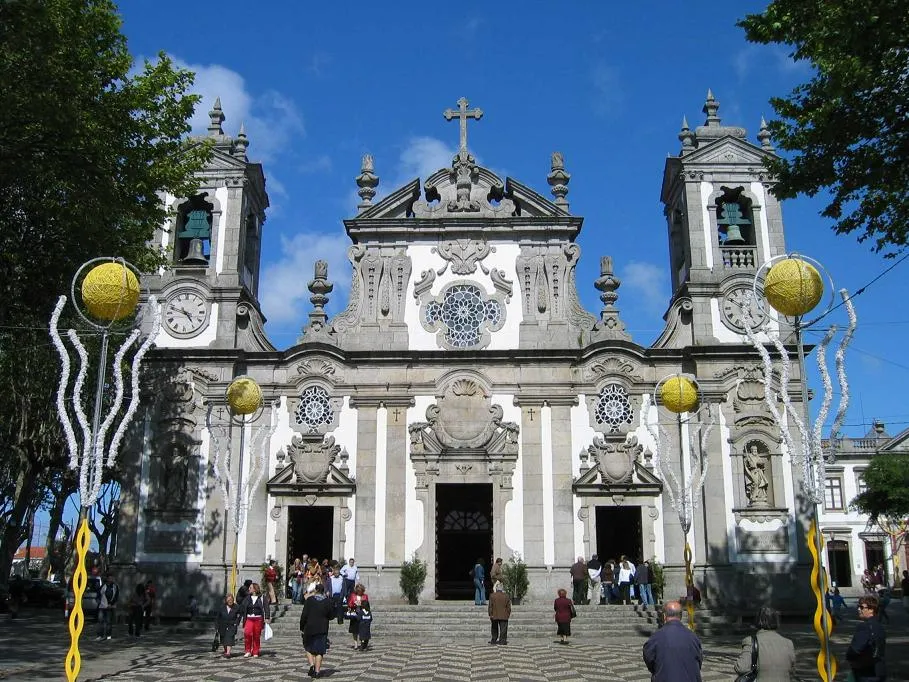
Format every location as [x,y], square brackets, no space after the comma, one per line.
[463,534]
[309,531]
[619,531]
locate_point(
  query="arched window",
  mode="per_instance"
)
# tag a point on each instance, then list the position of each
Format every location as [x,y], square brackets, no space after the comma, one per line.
[734,219]
[193,239]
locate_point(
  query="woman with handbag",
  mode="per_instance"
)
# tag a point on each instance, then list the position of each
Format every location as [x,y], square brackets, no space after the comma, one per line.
[226,624]
[766,655]
[564,612]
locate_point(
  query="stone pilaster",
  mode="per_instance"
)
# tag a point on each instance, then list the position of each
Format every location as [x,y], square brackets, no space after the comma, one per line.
[532,468]
[395,480]
[562,495]
[366,483]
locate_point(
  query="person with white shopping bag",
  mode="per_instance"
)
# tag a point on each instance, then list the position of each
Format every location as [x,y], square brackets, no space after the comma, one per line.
[256,615]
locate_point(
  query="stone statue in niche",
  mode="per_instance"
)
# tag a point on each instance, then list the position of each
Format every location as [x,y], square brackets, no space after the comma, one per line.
[173,489]
[757,484]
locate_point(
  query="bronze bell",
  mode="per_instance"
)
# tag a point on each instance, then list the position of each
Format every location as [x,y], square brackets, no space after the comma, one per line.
[195,255]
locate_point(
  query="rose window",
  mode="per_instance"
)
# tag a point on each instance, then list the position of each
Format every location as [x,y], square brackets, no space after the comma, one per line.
[464,312]
[314,409]
[613,408]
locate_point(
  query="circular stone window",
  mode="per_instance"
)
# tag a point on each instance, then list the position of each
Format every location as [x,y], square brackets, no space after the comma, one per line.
[314,409]
[613,408]
[464,312]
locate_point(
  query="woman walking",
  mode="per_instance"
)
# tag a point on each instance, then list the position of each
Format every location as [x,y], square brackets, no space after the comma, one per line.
[773,653]
[255,613]
[354,602]
[137,605]
[314,629]
[626,575]
[226,623]
[564,612]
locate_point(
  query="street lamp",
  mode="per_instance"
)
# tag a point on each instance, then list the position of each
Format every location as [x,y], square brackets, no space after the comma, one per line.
[245,404]
[109,293]
[679,394]
[792,286]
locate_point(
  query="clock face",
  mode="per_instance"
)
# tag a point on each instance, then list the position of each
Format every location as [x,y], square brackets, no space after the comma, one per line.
[185,313]
[739,304]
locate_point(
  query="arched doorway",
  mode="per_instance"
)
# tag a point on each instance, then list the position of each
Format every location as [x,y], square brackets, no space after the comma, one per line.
[463,534]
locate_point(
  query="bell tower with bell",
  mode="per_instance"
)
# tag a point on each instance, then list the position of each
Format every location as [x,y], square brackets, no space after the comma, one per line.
[723,223]
[209,293]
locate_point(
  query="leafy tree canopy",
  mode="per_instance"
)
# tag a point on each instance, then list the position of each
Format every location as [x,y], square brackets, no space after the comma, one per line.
[848,127]
[887,493]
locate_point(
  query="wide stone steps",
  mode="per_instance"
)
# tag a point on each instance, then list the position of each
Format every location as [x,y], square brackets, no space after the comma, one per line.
[464,620]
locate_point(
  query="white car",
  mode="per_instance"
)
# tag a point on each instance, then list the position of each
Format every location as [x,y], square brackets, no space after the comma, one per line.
[89,598]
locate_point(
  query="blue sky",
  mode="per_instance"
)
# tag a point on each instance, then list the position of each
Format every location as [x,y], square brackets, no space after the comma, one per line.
[319,84]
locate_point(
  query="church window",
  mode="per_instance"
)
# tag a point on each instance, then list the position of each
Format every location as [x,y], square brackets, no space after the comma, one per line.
[464,311]
[458,520]
[613,409]
[193,239]
[833,493]
[314,409]
[735,224]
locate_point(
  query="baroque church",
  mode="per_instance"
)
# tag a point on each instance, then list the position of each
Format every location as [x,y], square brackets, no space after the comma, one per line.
[464,404]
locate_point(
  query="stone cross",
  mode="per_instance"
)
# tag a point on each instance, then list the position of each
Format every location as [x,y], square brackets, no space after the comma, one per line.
[463,115]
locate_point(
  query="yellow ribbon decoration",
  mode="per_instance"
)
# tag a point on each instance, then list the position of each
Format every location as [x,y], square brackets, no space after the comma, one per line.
[822,634]
[76,617]
[689,584]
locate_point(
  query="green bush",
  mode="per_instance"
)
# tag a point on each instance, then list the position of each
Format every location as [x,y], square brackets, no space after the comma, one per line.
[514,578]
[413,578]
[657,580]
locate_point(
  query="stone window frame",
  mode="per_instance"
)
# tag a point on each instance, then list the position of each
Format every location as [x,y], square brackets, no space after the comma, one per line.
[836,478]
[182,207]
[860,484]
[335,401]
[593,399]
[440,329]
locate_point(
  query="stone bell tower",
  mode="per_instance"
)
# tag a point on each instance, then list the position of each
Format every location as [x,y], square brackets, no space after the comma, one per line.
[209,295]
[723,223]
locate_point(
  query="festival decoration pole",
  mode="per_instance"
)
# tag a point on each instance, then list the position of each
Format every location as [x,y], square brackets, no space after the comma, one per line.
[109,292]
[679,394]
[245,405]
[792,286]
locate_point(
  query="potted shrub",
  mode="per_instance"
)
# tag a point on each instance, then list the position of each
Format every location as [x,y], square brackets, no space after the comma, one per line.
[514,579]
[413,577]
[657,580]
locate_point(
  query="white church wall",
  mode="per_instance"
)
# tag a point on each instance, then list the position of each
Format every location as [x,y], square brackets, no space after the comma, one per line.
[709,236]
[220,229]
[279,439]
[582,435]
[205,338]
[548,513]
[346,436]
[646,441]
[757,189]
[514,514]
[503,258]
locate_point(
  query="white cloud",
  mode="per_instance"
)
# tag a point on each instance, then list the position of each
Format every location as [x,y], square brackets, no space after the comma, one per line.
[421,157]
[272,120]
[753,57]
[316,165]
[283,292]
[646,282]
[608,94]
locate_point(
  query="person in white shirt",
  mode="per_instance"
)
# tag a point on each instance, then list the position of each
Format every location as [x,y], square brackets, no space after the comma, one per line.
[351,574]
[626,577]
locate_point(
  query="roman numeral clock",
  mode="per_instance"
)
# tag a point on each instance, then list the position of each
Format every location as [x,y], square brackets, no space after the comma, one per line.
[185,313]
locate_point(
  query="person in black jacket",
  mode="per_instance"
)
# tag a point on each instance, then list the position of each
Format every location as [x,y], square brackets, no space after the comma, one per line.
[673,653]
[866,651]
[317,611]
[243,591]
[255,612]
[226,623]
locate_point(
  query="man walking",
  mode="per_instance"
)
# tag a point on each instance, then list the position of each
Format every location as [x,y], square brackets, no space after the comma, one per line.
[108,594]
[594,571]
[868,646]
[673,653]
[643,579]
[351,574]
[499,613]
[578,581]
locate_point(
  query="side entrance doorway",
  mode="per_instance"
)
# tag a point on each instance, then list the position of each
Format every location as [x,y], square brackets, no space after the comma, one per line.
[838,561]
[620,531]
[309,531]
[463,534]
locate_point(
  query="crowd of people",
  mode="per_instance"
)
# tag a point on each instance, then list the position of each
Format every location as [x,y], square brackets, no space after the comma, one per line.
[611,582]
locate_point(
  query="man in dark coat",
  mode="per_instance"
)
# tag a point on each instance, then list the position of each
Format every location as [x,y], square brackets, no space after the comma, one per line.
[499,613]
[673,653]
[866,651]
[317,611]
[243,592]
[579,581]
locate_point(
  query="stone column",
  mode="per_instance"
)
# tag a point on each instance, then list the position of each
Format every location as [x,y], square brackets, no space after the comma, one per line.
[395,480]
[563,497]
[365,550]
[532,468]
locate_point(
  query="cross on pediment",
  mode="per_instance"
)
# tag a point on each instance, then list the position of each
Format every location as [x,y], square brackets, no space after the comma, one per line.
[463,114]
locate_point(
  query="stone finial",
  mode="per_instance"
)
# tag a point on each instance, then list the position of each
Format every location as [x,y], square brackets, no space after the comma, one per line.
[319,287]
[241,143]
[216,116]
[686,137]
[367,181]
[558,179]
[711,106]
[462,114]
[344,467]
[609,326]
[763,136]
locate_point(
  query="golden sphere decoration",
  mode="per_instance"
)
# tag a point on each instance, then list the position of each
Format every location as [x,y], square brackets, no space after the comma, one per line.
[679,394]
[110,291]
[793,287]
[244,395]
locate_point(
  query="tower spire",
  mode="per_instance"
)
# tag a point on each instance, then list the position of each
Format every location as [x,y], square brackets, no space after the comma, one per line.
[216,117]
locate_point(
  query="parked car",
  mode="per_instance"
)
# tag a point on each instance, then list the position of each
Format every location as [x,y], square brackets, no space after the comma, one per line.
[89,598]
[35,592]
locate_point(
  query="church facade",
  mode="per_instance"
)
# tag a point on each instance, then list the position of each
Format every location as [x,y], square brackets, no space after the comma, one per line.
[464,404]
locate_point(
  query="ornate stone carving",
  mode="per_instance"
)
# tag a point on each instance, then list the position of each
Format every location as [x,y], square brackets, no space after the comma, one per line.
[311,459]
[578,316]
[319,287]
[315,410]
[317,368]
[613,366]
[350,316]
[346,514]
[757,475]
[276,512]
[610,325]
[463,255]
[463,315]
[610,410]
[367,181]
[615,460]
[558,179]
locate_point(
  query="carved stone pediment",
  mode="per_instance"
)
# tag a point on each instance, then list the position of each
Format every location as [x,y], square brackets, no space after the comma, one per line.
[615,459]
[311,459]
[463,255]
[618,469]
[312,470]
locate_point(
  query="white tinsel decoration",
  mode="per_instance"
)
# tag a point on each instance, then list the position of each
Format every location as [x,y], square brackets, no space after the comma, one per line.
[684,495]
[89,461]
[808,453]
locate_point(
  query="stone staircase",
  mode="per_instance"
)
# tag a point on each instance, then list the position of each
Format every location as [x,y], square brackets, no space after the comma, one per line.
[464,621]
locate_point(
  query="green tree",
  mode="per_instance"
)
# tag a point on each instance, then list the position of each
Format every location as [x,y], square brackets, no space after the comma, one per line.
[887,491]
[847,127]
[88,144]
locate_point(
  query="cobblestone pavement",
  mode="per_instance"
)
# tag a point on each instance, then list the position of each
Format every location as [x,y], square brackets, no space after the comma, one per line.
[33,648]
